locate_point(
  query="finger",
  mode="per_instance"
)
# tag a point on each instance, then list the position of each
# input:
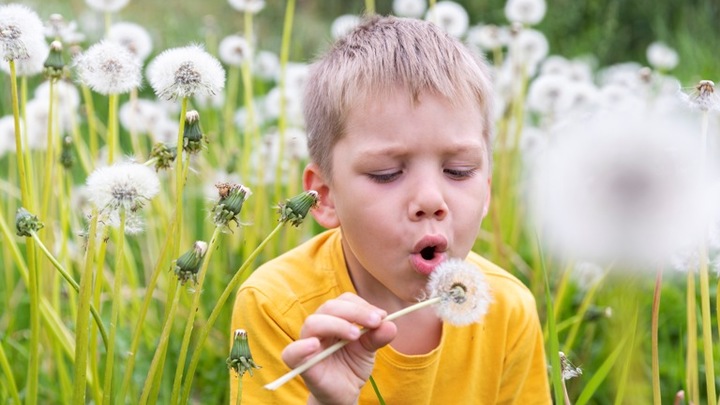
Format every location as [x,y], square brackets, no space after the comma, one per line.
[325,326]
[376,338]
[353,309]
[298,351]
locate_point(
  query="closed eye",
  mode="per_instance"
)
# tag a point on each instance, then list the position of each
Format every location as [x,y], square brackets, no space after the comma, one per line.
[458,174]
[384,177]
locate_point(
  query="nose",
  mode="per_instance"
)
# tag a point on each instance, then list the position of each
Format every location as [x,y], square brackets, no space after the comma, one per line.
[427,201]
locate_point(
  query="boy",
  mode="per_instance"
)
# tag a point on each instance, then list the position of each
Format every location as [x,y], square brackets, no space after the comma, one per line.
[398,120]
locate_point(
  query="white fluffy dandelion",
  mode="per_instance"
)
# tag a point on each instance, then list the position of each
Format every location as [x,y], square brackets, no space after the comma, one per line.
[704,96]
[7,135]
[141,116]
[267,65]
[125,184]
[463,291]
[66,32]
[21,32]
[234,50]
[183,72]
[107,5]
[134,37]
[661,56]
[621,187]
[450,16]
[251,6]
[487,37]
[528,12]
[33,64]
[342,25]
[409,8]
[529,47]
[109,68]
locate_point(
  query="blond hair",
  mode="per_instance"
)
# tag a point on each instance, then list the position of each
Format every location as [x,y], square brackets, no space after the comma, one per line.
[380,55]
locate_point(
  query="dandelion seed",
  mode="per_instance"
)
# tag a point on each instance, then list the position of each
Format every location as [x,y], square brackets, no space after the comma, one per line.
[182,72]
[109,68]
[127,185]
[20,32]
[234,50]
[107,5]
[450,16]
[661,56]
[251,6]
[529,12]
[133,37]
[409,8]
[463,290]
[342,25]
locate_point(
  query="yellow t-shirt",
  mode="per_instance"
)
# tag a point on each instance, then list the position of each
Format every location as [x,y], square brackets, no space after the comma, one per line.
[499,360]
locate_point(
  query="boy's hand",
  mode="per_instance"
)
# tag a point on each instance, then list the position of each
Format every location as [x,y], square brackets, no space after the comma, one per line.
[339,378]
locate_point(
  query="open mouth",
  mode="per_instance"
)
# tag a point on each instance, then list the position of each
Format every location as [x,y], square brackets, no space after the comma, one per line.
[428,253]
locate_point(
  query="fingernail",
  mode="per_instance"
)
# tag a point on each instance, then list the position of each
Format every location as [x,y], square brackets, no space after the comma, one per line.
[374,319]
[354,333]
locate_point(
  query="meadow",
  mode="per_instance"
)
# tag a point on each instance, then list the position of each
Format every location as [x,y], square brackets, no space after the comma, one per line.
[121,251]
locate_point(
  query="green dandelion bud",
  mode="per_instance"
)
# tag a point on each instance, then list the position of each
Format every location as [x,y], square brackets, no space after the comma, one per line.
[188,264]
[164,156]
[66,154]
[26,223]
[54,64]
[232,197]
[240,358]
[193,135]
[296,209]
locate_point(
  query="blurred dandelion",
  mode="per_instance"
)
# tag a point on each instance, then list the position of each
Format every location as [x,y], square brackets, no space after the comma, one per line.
[450,16]
[528,12]
[133,37]
[343,25]
[661,56]
[250,6]
[234,50]
[107,5]
[409,8]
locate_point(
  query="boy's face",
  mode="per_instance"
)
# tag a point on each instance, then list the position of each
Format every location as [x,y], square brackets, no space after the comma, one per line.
[410,187]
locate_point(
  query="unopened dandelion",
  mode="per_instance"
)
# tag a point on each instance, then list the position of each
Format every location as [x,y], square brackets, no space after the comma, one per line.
[296,209]
[54,64]
[240,359]
[26,223]
[163,156]
[109,68]
[188,264]
[182,72]
[133,37]
[123,185]
[228,207]
[193,135]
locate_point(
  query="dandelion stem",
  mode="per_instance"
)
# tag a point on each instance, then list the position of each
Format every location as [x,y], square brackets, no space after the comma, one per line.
[112,136]
[49,152]
[72,282]
[229,289]
[92,127]
[115,310]
[657,397]
[691,360]
[81,333]
[191,317]
[282,119]
[24,192]
[229,111]
[370,7]
[9,379]
[340,344]
[179,181]
[375,387]
[161,346]
[238,399]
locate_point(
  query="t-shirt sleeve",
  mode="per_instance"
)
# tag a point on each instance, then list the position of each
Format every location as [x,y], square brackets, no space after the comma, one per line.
[524,379]
[269,331]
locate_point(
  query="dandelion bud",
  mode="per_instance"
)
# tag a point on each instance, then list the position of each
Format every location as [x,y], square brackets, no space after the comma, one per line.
[193,135]
[66,155]
[296,209]
[568,369]
[463,291]
[164,156]
[26,223]
[232,197]
[54,64]
[188,264]
[240,358]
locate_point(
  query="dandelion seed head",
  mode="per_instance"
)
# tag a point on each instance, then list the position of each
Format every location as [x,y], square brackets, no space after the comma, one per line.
[124,184]
[661,56]
[464,292]
[141,116]
[107,5]
[529,12]
[109,68]
[234,50]
[409,8]
[528,48]
[450,16]
[704,96]
[133,37]
[67,32]
[487,37]
[33,64]
[251,6]
[20,32]
[267,65]
[343,25]
[182,72]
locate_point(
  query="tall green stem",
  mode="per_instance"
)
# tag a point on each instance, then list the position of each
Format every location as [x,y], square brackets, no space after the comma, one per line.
[112,140]
[9,379]
[49,153]
[657,394]
[179,178]
[191,317]
[229,289]
[691,368]
[82,332]
[116,299]
[161,347]
[370,7]
[92,124]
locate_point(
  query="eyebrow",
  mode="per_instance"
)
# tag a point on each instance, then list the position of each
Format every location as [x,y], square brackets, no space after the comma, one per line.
[401,149]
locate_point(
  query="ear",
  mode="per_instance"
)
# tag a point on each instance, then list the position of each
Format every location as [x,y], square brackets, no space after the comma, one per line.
[324,212]
[486,206]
